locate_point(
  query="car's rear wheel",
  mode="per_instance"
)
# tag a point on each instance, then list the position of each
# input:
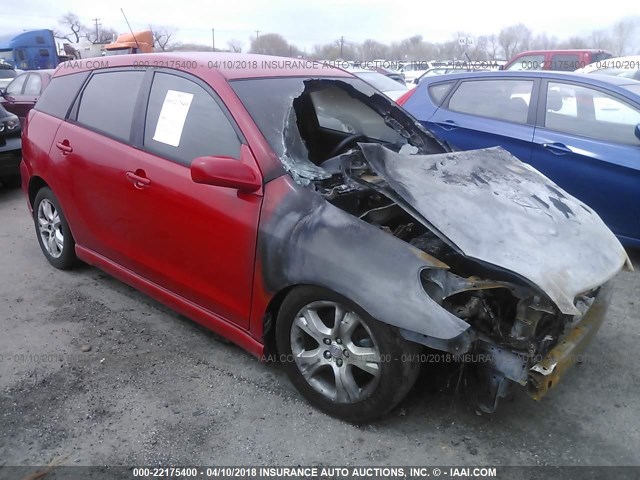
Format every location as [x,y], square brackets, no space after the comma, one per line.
[53,232]
[342,360]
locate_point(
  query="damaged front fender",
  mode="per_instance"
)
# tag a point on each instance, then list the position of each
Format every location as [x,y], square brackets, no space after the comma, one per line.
[305,240]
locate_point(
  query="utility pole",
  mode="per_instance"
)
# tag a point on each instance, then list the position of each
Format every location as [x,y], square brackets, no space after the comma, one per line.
[341,45]
[96,20]
[257,34]
[213,39]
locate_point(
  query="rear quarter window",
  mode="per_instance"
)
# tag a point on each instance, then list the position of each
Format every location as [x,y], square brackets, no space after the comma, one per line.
[439,91]
[57,98]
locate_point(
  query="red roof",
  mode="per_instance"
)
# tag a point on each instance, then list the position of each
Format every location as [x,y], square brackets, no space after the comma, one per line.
[230,65]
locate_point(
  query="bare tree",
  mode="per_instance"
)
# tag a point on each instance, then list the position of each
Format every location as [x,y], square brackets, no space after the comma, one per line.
[104,35]
[70,21]
[544,42]
[235,45]
[162,37]
[373,50]
[622,36]
[514,39]
[600,39]
[270,44]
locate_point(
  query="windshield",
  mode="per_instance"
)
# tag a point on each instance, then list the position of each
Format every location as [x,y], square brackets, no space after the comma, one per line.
[295,101]
[379,81]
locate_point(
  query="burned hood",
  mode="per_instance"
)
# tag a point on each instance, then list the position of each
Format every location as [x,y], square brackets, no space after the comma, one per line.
[500,211]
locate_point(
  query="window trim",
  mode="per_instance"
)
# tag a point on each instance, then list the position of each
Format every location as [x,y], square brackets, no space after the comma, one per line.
[532,115]
[542,104]
[143,103]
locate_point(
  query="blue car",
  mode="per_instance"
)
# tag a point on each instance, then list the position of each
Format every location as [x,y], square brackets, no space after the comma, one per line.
[581,131]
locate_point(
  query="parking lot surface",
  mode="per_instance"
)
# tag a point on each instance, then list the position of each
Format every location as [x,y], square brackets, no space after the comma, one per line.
[93,372]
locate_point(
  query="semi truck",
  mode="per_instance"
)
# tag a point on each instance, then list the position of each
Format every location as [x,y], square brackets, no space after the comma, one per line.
[138,42]
[32,50]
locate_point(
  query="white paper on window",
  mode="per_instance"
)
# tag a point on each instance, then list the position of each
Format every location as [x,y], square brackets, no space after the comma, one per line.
[172,117]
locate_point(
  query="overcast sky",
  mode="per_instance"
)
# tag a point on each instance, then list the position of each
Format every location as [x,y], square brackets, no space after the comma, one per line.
[308,22]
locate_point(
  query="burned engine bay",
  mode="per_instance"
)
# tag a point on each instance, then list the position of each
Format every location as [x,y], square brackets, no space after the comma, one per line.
[377,163]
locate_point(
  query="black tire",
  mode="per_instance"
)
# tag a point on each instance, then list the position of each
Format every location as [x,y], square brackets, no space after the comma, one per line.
[398,366]
[67,256]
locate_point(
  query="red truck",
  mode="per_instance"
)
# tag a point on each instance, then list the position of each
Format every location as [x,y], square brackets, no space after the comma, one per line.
[563,60]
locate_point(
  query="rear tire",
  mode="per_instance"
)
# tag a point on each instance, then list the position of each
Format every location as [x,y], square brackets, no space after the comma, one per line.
[52,230]
[341,360]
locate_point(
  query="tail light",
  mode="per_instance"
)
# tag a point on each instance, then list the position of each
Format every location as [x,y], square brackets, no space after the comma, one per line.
[403,99]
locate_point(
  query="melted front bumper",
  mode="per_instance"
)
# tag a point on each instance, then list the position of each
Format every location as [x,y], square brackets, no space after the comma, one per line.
[547,373]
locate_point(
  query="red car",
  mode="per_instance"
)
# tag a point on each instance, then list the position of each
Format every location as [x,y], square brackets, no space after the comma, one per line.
[294,209]
[558,60]
[23,92]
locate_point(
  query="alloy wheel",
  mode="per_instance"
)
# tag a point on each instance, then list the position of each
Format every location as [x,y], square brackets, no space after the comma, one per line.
[335,352]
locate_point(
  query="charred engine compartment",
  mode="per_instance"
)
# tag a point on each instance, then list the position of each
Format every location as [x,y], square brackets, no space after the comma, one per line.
[514,325]
[495,305]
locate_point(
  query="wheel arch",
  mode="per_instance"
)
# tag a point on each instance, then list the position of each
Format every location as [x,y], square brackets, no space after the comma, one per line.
[36,183]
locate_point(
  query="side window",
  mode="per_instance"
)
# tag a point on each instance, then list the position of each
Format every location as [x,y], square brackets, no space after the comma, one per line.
[528,62]
[438,91]
[15,87]
[34,82]
[108,102]
[590,113]
[506,100]
[60,94]
[185,122]
[566,62]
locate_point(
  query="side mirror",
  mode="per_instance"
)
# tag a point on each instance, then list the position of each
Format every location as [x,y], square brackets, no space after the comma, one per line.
[636,131]
[225,172]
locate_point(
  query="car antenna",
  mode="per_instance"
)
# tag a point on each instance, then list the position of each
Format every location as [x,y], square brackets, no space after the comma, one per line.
[131,30]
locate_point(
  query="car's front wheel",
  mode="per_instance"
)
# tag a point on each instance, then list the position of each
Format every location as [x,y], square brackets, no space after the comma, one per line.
[54,235]
[342,360]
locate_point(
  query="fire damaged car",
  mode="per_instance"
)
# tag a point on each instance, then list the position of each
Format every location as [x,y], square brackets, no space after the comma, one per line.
[319,224]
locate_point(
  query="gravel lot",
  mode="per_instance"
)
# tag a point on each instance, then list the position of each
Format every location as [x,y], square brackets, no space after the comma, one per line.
[154,387]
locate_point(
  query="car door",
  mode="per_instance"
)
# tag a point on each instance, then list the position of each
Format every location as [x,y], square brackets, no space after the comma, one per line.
[586,144]
[138,204]
[198,240]
[22,101]
[488,112]
[14,92]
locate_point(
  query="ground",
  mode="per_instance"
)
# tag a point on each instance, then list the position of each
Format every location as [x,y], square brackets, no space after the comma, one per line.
[93,372]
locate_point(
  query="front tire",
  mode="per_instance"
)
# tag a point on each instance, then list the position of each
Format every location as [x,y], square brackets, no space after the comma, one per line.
[341,360]
[52,230]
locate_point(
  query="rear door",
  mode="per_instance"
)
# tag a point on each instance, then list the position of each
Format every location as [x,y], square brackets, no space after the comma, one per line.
[483,113]
[134,200]
[586,144]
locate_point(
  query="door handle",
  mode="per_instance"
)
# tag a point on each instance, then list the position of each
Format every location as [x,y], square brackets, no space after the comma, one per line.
[557,148]
[64,147]
[448,125]
[139,181]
